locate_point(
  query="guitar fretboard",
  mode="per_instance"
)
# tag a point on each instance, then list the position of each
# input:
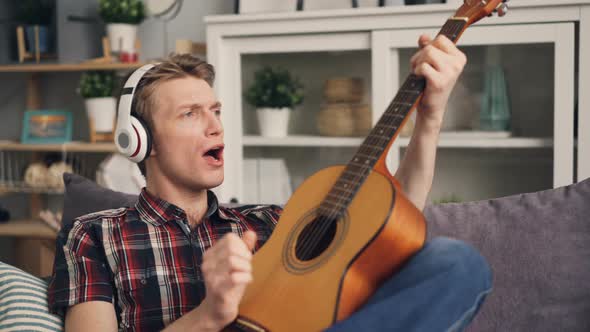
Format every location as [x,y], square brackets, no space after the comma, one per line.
[378,140]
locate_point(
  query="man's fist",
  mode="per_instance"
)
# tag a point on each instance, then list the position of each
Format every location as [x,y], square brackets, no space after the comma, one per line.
[227,270]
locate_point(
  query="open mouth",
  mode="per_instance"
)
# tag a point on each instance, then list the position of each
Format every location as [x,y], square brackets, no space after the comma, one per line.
[214,154]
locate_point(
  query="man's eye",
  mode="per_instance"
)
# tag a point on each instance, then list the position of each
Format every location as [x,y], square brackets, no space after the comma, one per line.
[189,114]
[218,112]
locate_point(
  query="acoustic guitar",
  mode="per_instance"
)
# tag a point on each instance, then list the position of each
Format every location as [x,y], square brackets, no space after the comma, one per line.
[346,229]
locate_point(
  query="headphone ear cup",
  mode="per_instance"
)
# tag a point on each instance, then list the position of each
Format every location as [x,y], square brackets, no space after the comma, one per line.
[144,136]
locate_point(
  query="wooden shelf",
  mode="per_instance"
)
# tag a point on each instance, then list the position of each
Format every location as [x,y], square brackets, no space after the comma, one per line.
[57,67]
[66,147]
[5,189]
[27,228]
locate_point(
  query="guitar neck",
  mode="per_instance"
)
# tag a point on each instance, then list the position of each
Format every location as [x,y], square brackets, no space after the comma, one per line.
[384,133]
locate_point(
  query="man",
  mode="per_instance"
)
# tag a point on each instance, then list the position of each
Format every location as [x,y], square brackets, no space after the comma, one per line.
[179,261]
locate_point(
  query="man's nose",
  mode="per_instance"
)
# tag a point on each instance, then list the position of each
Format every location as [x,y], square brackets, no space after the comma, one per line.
[214,127]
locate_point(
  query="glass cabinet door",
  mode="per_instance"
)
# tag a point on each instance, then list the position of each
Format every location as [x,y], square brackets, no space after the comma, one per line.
[527,68]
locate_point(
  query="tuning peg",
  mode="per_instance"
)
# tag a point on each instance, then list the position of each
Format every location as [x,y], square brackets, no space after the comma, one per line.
[502,9]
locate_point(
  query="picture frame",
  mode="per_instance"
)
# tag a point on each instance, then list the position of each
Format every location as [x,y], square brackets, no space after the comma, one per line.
[47,127]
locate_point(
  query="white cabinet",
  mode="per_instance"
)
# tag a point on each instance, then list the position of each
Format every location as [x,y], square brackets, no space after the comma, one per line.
[537,43]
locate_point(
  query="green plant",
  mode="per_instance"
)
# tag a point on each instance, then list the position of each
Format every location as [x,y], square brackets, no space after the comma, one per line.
[274,88]
[447,199]
[35,12]
[122,11]
[96,84]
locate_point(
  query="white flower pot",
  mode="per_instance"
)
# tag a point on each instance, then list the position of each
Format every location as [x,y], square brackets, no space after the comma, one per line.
[122,37]
[102,112]
[273,122]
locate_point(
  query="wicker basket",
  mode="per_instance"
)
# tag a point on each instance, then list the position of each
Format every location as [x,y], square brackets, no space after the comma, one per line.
[341,119]
[343,90]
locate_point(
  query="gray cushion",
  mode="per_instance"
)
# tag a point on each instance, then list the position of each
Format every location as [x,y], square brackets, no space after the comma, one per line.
[23,302]
[538,245]
[83,196]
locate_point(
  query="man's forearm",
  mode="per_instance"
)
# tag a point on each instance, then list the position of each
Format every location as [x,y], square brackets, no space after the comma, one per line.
[416,170]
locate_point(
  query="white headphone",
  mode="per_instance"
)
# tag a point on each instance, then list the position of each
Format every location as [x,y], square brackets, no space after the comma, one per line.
[132,136]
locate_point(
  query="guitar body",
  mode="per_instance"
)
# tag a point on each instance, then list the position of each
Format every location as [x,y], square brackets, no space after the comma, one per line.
[380,230]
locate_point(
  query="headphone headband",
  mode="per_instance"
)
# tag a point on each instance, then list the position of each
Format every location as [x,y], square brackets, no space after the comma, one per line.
[131,138]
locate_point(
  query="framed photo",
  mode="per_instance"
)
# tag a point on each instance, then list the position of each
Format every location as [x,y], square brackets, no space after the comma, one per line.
[47,127]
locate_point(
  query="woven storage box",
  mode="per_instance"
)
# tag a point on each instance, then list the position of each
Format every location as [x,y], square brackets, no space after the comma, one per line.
[343,90]
[341,119]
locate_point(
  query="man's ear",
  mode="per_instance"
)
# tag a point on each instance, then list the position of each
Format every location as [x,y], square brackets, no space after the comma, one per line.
[154,149]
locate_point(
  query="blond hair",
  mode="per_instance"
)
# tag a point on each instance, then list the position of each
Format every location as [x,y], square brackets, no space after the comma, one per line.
[174,67]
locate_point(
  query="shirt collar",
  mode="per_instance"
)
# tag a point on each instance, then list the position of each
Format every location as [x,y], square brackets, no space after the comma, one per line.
[157,211]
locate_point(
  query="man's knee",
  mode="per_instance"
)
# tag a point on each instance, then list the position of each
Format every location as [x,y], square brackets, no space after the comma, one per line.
[463,262]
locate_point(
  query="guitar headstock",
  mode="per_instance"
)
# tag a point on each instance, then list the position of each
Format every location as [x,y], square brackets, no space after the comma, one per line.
[475,10]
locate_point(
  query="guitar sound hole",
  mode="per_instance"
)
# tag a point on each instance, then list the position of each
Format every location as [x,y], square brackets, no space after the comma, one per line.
[315,238]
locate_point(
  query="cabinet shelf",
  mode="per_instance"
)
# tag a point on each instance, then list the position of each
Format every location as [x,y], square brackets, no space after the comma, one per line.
[447,140]
[28,229]
[302,141]
[60,67]
[66,147]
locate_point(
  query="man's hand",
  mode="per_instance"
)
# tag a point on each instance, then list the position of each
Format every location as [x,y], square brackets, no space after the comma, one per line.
[440,62]
[227,270]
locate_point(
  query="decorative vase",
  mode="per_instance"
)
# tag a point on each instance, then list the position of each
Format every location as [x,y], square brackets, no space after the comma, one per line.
[495,108]
[102,112]
[122,37]
[43,38]
[273,122]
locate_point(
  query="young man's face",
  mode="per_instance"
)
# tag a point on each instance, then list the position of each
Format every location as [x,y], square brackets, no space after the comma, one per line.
[188,135]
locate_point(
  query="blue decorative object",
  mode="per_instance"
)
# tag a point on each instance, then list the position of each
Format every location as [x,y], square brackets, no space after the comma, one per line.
[4,215]
[43,38]
[495,107]
[47,127]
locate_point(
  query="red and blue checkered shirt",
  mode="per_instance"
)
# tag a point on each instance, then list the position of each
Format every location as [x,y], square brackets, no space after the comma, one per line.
[145,259]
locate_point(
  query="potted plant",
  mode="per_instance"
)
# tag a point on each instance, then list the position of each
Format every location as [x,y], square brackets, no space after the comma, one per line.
[36,13]
[97,87]
[122,18]
[274,93]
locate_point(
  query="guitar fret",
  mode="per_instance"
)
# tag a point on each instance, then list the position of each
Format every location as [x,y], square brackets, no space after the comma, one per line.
[343,191]
[383,137]
[336,204]
[394,115]
[402,103]
[386,125]
[367,156]
[334,195]
[411,91]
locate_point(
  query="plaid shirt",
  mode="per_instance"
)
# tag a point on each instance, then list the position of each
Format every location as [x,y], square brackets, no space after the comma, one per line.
[145,259]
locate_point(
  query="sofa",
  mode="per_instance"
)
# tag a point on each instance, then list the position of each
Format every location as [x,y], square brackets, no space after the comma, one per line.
[538,245]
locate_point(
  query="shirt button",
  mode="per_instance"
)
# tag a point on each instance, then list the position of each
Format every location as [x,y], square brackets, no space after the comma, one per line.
[143,281]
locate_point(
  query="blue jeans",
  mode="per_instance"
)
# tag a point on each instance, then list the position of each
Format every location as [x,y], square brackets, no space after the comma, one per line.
[440,289]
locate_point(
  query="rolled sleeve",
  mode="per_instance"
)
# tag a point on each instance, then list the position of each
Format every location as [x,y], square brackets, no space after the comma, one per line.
[80,272]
